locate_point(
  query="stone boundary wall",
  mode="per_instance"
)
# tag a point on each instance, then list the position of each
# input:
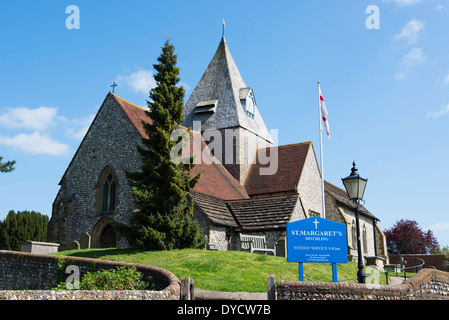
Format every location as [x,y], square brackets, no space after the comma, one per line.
[21,271]
[84,295]
[427,284]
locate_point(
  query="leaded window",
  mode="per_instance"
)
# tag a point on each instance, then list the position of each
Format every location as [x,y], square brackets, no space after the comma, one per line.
[107,192]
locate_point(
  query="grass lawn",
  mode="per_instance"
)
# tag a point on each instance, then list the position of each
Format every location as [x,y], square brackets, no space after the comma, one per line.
[222,270]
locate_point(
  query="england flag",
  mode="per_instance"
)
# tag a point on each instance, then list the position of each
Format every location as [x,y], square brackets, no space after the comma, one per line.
[324,113]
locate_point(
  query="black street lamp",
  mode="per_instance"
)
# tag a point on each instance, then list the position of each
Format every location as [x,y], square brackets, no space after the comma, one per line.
[355,187]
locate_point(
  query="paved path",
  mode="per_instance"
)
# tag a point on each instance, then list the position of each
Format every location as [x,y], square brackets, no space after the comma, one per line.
[221,295]
[396,280]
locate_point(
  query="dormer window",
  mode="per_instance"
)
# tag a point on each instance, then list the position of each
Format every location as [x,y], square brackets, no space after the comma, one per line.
[248,101]
[250,105]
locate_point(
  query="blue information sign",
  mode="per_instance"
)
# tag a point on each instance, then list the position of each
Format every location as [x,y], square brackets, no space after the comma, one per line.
[316,240]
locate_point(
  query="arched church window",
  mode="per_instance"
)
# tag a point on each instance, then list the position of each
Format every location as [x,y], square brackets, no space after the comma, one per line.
[365,240]
[354,235]
[107,192]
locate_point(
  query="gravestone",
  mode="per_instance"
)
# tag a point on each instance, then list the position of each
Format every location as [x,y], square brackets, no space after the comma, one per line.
[85,241]
[75,245]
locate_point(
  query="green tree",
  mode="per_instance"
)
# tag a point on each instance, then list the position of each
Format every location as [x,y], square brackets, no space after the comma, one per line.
[22,226]
[164,216]
[7,166]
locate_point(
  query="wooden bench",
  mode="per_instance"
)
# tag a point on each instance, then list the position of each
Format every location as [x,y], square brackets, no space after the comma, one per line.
[255,243]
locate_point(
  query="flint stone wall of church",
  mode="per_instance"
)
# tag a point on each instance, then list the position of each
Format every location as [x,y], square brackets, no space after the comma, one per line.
[214,234]
[309,186]
[340,213]
[111,141]
[365,224]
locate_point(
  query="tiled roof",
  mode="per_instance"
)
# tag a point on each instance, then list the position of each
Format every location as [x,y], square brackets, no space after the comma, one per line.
[215,179]
[134,113]
[291,160]
[248,215]
[261,214]
[341,196]
[215,209]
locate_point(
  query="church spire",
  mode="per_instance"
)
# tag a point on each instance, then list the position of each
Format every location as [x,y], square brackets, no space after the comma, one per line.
[219,97]
[221,100]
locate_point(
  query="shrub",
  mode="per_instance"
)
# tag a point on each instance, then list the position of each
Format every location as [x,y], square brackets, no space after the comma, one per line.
[121,278]
[22,226]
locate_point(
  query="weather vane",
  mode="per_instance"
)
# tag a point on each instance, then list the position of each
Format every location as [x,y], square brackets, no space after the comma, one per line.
[223,25]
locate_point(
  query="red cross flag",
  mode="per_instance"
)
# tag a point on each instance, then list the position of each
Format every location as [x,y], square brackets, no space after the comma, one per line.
[324,113]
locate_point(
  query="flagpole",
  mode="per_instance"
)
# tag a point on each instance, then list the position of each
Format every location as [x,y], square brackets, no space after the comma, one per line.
[321,156]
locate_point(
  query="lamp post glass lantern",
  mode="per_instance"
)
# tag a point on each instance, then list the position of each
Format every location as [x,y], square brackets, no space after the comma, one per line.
[354,184]
[355,187]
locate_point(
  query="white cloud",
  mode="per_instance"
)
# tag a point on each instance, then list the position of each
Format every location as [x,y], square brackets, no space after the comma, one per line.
[403,3]
[440,226]
[141,81]
[37,127]
[413,58]
[439,8]
[35,143]
[400,75]
[411,31]
[22,117]
[435,114]
[443,10]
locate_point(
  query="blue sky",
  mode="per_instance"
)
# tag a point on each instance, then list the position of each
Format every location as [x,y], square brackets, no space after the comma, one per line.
[386,89]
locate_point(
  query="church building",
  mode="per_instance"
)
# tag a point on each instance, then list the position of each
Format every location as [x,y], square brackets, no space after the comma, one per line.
[250,186]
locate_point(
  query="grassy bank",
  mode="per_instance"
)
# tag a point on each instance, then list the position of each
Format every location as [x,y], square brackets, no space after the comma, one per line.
[222,270]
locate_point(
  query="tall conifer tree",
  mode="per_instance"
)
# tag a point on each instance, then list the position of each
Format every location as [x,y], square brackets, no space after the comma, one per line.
[164,219]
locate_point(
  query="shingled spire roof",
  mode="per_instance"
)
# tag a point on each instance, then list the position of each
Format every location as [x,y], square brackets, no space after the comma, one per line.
[217,99]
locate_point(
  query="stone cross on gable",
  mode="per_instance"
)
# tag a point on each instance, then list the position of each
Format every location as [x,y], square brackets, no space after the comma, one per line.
[113,86]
